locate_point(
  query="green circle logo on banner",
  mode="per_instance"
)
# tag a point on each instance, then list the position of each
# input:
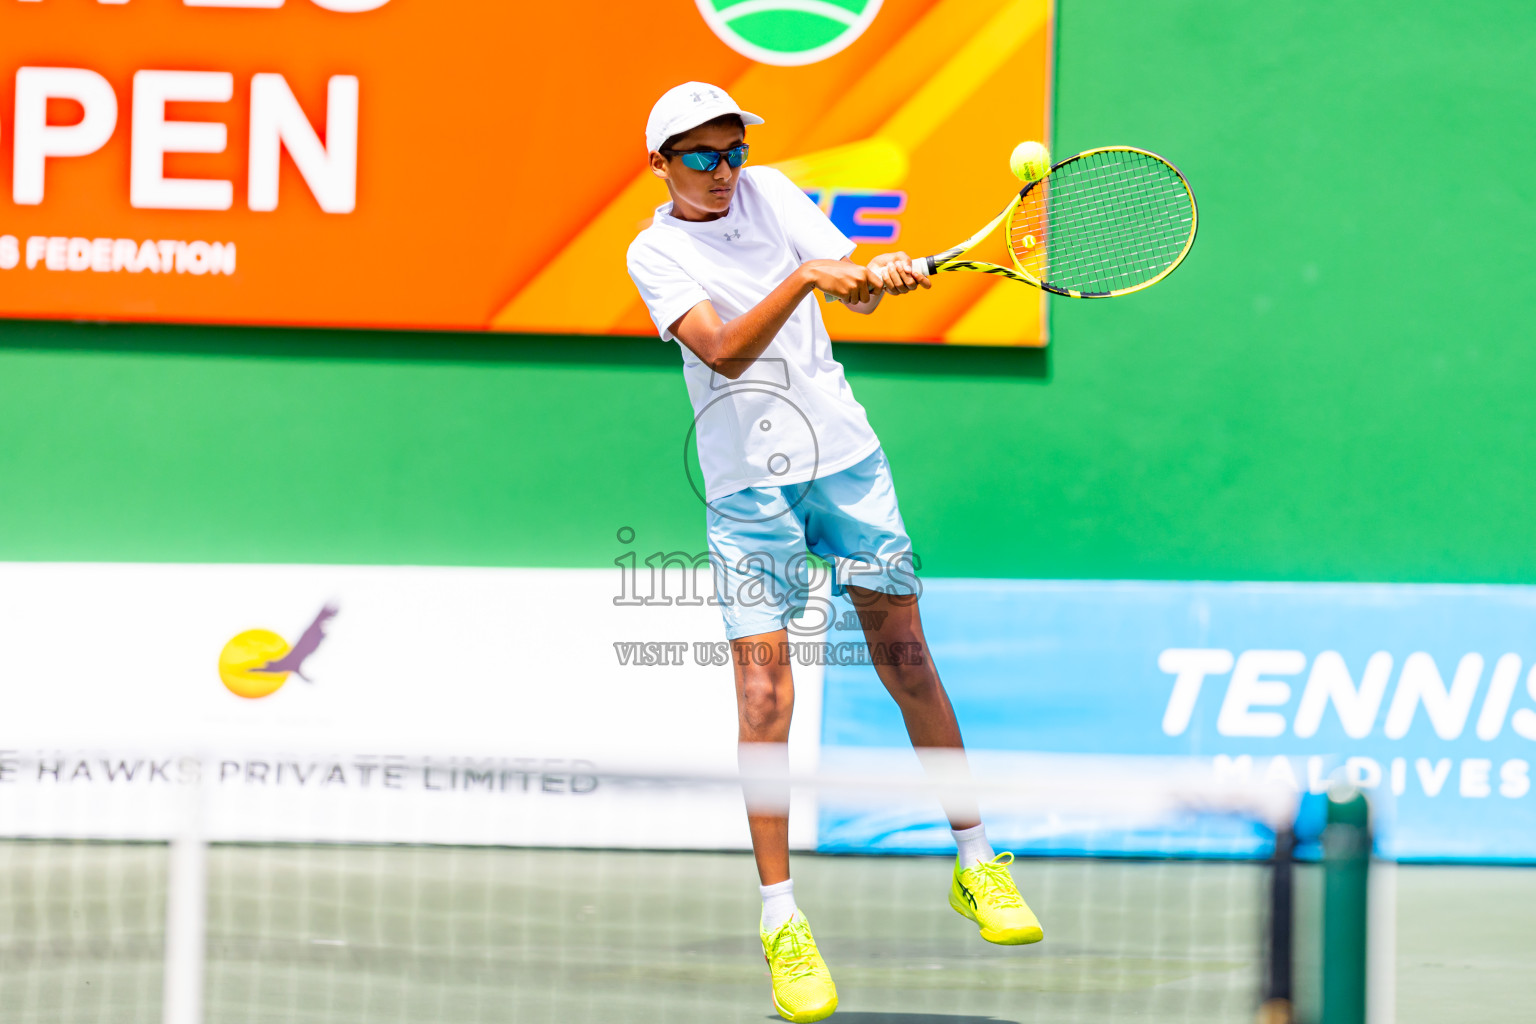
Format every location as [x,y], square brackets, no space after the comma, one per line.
[788,32]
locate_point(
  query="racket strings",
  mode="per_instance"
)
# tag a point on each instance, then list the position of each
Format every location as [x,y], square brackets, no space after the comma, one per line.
[1112,236]
[1107,235]
[1104,222]
[1120,239]
[1156,211]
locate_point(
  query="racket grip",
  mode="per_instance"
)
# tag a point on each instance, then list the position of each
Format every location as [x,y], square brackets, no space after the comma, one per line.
[923,265]
[829,297]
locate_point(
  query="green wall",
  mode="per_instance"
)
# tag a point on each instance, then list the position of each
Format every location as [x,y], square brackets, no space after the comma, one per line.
[1337,386]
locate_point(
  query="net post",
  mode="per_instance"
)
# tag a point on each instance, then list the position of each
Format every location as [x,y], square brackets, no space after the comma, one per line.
[1276,1008]
[1346,903]
[186,911]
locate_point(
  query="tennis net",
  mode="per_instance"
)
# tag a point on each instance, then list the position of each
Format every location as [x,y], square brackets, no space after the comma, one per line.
[487,890]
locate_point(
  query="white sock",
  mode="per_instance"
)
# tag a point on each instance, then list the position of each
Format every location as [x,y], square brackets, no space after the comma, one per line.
[778,904]
[974,848]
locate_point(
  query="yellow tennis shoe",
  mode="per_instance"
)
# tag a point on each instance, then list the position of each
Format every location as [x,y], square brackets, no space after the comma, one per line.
[802,985]
[986,894]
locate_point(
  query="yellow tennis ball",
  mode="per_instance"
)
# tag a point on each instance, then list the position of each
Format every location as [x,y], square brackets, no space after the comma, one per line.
[1030,161]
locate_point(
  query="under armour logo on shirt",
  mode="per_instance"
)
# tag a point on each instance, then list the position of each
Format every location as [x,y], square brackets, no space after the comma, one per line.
[731,236]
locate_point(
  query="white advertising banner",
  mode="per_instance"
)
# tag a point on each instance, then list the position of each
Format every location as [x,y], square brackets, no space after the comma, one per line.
[400,704]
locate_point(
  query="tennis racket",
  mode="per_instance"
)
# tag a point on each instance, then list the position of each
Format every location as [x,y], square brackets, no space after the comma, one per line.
[1103,223]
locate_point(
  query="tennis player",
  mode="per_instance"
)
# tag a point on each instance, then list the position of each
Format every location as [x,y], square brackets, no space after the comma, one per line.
[729,269]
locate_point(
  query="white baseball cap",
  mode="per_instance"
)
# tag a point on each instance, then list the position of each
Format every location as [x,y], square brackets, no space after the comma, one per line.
[688,106]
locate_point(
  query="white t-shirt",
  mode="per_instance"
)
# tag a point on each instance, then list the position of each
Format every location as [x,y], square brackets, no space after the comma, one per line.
[791,417]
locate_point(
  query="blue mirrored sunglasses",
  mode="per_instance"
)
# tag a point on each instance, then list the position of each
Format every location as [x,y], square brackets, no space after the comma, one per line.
[709,159]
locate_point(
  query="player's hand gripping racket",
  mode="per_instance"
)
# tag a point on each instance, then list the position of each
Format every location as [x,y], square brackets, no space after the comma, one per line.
[1107,222]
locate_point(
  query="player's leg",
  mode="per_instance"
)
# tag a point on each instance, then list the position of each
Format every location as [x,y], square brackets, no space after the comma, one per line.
[852,520]
[981,888]
[765,701]
[765,697]
[893,629]
[855,522]
[755,536]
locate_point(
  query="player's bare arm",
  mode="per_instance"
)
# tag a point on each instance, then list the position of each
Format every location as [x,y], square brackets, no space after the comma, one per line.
[729,346]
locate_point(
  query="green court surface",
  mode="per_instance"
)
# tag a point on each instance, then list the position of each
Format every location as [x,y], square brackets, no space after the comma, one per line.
[354,934]
[1466,944]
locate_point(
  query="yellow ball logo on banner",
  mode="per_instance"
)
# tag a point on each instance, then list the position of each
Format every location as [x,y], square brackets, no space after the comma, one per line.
[243,663]
[788,32]
[257,662]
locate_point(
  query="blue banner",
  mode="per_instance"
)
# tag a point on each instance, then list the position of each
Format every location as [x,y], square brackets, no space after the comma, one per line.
[1423,695]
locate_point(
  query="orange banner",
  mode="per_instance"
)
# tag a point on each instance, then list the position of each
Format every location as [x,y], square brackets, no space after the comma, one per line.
[405,164]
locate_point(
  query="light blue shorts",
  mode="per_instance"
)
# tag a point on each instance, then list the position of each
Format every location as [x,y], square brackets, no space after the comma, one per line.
[758,538]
